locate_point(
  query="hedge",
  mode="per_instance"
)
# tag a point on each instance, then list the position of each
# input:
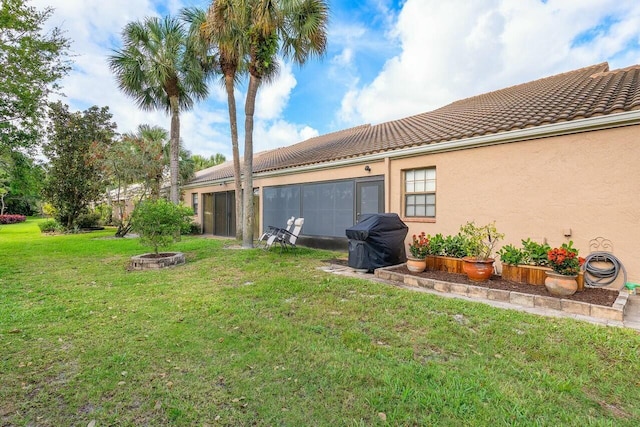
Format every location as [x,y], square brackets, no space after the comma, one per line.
[12,219]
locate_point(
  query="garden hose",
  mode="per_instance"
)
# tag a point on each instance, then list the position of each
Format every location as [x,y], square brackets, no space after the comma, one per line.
[602,276]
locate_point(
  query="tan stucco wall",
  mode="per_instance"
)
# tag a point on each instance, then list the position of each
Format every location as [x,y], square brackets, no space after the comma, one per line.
[587,182]
[355,170]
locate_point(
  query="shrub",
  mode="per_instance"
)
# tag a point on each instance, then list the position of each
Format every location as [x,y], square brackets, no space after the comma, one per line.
[536,252]
[480,239]
[454,246]
[531,253]
[193,228]
[106,213]
[436,244]
[50,226]
[159,222]
[12,219]
[511,255]
[451,246]
[49,210]
[88,220]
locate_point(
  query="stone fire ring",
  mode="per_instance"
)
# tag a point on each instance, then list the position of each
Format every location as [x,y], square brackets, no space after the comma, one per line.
[152,261]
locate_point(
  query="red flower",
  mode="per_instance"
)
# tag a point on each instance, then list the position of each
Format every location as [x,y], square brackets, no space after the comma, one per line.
[565,260]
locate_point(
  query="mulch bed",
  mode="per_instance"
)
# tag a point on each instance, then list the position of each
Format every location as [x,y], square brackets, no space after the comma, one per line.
[597,296]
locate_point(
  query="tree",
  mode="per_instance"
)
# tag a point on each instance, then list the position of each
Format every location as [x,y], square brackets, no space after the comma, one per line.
[74,176]
[133,164]
[297,29]
[158,67]
[4,188]
[186,165]
[31,62]
[159,222]
[150,156]
[136,166]
[223,29]
[201,162]
[20,183]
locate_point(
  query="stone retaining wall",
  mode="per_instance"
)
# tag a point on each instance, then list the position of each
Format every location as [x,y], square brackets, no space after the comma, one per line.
[616,312]
[148,262]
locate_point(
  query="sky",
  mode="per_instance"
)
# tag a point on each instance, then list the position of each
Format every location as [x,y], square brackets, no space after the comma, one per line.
[385,60]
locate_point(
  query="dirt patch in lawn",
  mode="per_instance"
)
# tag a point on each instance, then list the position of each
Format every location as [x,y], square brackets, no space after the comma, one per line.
[597,296]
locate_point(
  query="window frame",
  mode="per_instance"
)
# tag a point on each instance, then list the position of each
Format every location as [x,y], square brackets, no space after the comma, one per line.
[195,203]
[426,192]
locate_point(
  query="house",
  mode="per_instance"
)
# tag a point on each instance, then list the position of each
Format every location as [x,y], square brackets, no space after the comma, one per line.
[555,159]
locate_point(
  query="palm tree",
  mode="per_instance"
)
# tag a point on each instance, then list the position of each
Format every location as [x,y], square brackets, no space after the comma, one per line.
[222,29]
[201,162]
[297,29]
[159,69]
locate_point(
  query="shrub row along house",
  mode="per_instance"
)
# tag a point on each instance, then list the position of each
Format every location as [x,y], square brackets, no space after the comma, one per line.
[554,160]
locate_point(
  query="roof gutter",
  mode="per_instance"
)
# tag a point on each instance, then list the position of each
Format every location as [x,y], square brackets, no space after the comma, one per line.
[608,121]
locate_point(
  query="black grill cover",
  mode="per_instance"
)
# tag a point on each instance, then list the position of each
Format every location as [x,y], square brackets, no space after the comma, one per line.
[377,241]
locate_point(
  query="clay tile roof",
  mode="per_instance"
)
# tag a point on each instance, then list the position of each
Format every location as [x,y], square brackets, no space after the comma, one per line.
[582,93]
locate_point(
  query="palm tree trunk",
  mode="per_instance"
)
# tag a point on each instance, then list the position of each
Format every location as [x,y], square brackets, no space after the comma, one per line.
[175,149]
[249,109]
[233,121]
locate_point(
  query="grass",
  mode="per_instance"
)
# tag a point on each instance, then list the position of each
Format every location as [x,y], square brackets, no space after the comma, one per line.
[248,337]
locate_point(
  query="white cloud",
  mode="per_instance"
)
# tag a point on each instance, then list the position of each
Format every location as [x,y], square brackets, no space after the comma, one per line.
[270,129]
[395,64]
[273,96]
[270,135]
[94,26]
[455,49]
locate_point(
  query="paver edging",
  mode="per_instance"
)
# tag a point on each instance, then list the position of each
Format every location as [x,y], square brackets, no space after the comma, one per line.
[615,312]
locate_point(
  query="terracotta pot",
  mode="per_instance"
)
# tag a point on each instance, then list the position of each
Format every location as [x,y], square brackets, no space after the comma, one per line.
[416,265]
[560,285]
[478,270]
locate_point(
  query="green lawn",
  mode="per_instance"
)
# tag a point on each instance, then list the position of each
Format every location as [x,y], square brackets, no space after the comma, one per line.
[247,337]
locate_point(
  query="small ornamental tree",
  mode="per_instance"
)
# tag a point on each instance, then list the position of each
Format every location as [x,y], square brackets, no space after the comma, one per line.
[158,222]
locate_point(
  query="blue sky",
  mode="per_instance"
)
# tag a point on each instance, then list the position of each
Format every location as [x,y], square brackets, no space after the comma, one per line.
[385,60]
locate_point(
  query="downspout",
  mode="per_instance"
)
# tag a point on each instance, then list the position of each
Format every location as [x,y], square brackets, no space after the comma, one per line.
[387,184]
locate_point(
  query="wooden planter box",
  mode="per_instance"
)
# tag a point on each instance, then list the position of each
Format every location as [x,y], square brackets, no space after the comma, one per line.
[445,263]
[531,274]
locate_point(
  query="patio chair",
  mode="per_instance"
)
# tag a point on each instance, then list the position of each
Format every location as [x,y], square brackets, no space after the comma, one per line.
[271,230]
[286,238]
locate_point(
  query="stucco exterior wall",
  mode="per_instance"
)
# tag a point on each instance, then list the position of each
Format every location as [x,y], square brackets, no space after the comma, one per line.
[355,170]
[588,183]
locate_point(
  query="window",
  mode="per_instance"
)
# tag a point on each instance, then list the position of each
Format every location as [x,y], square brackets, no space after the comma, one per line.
[328,208]
[194,203]
[420,193]
[280,204]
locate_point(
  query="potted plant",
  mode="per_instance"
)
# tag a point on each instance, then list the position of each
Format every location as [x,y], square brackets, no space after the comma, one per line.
[418,249]
[536,253]
[479,244]
[454,246]
[445,253]
[511,255]
[565,264]
[527,264]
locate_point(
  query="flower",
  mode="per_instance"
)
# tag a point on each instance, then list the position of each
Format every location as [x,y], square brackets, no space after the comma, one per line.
[565,260]
[419,247]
